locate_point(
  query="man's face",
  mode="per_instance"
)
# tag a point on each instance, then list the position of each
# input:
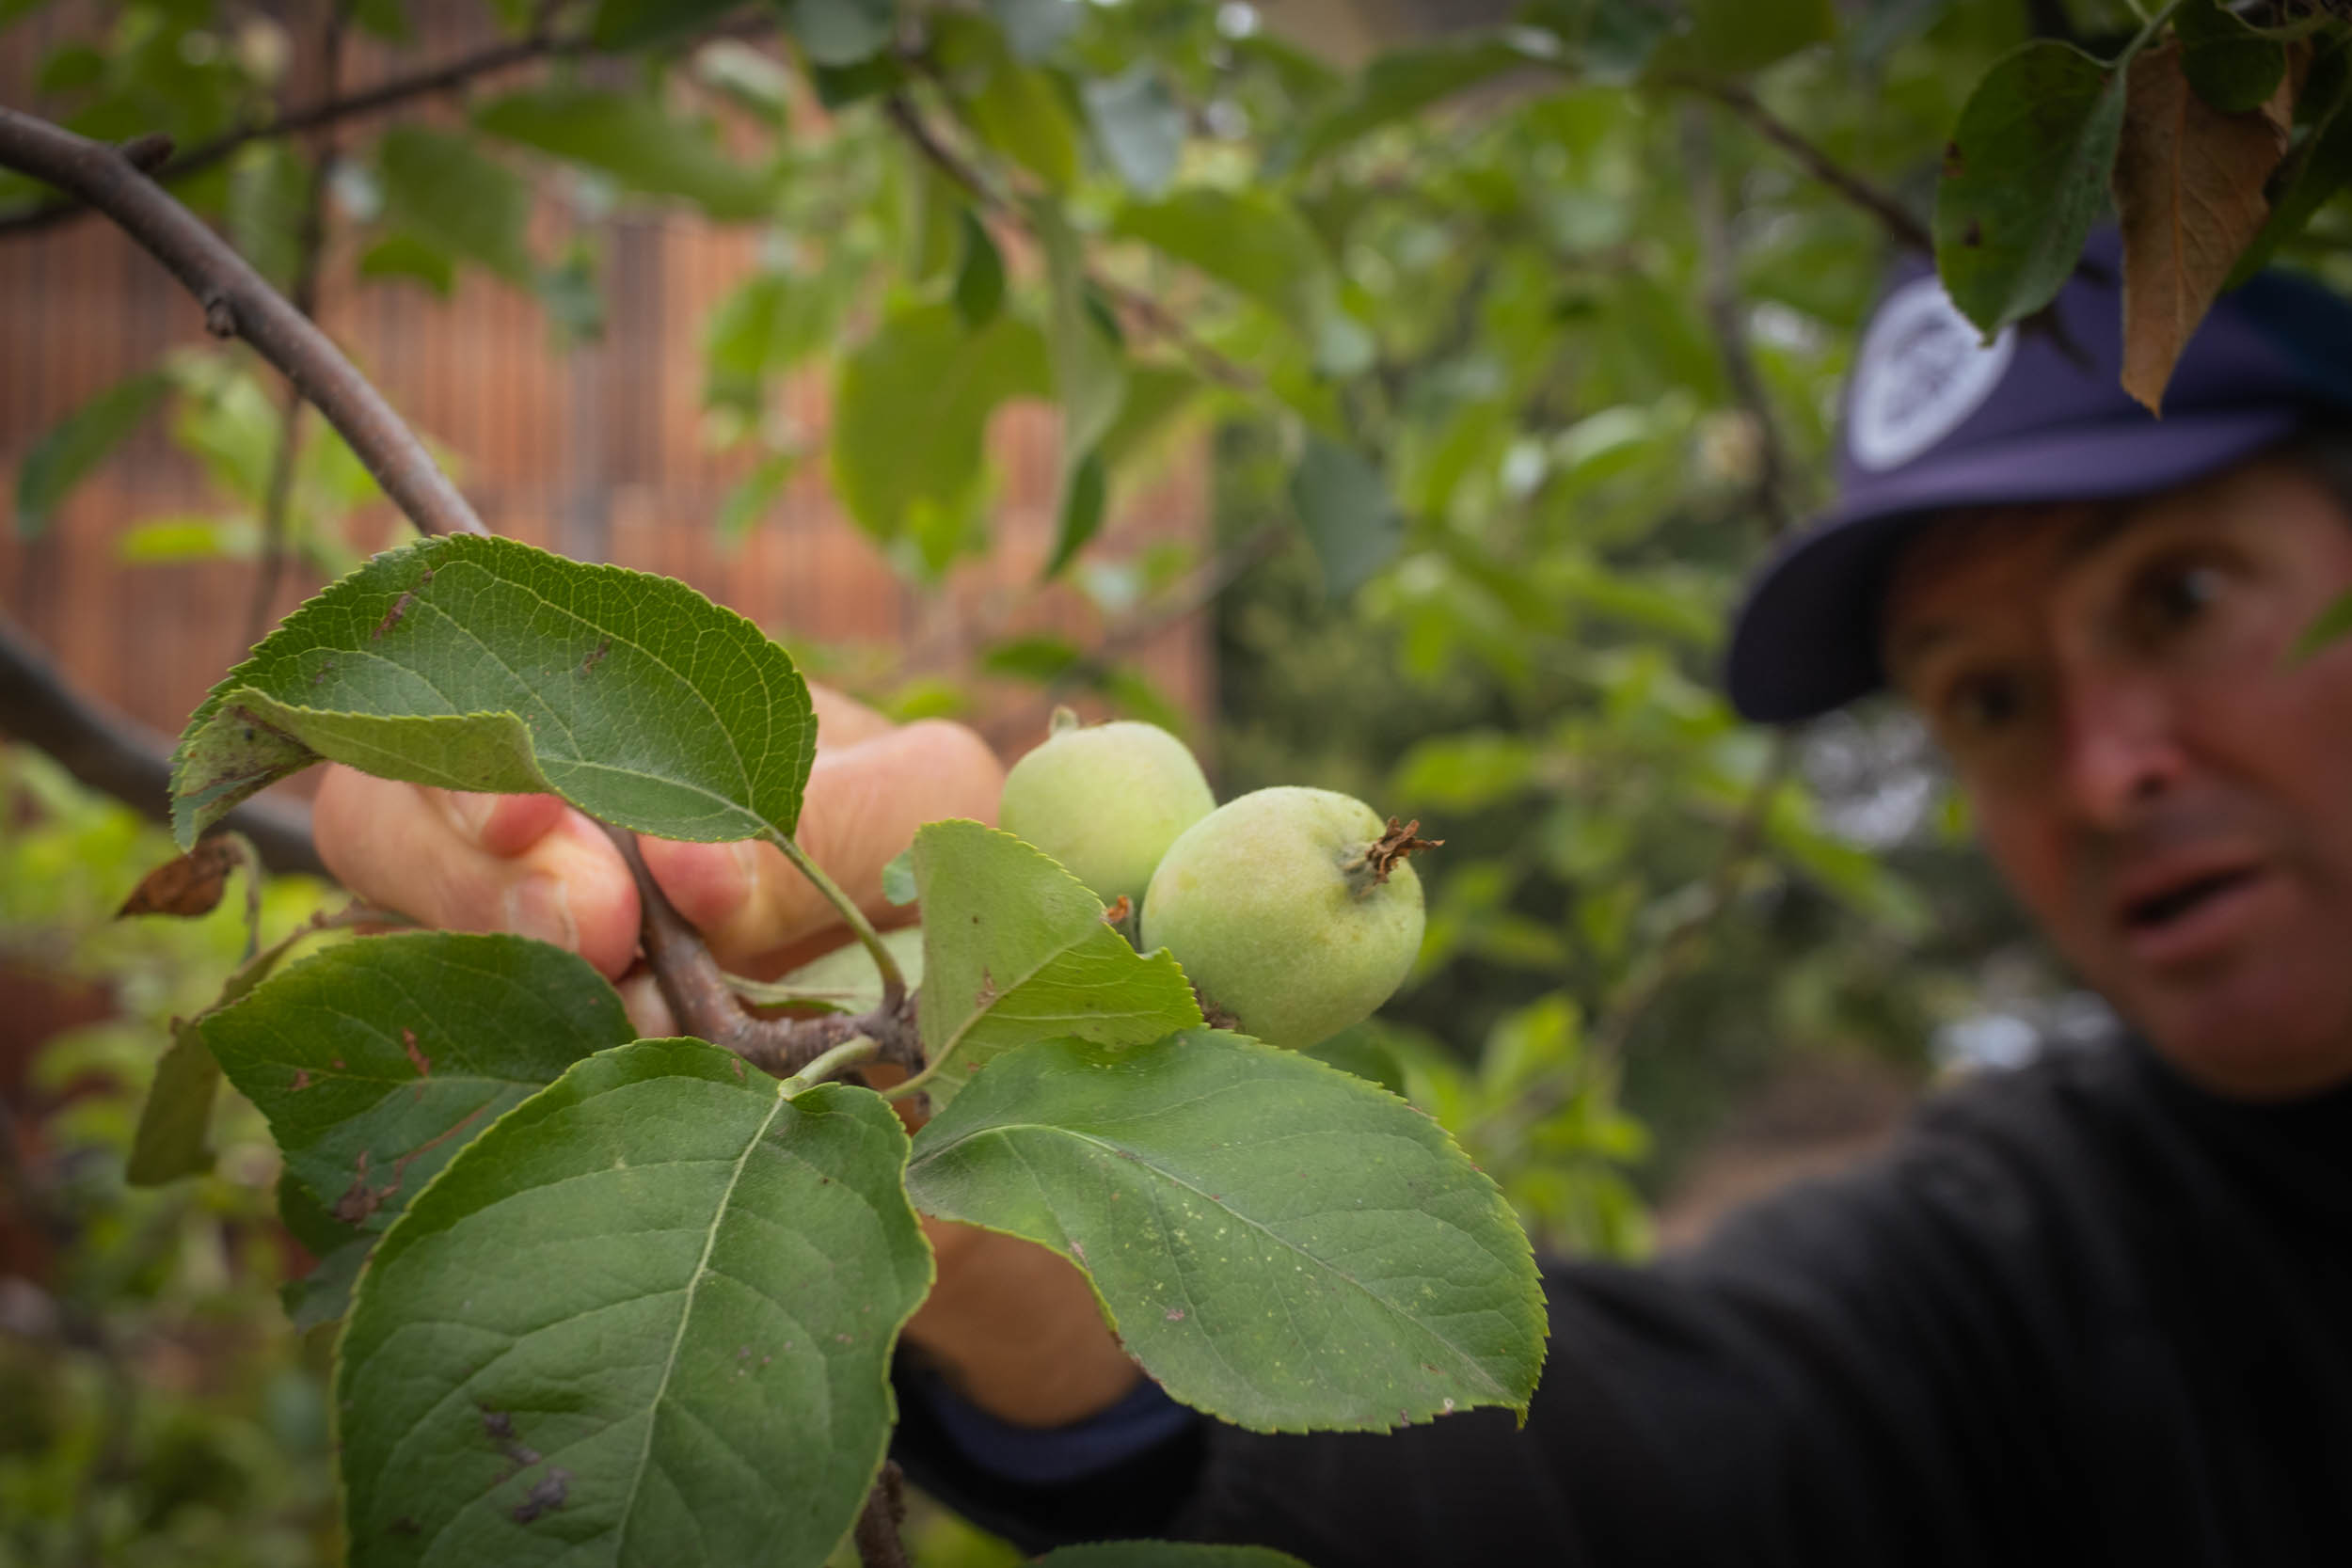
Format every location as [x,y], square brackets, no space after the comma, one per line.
[2162,781]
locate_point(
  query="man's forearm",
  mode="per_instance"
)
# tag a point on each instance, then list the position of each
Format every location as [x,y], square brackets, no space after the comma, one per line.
[1015,1330]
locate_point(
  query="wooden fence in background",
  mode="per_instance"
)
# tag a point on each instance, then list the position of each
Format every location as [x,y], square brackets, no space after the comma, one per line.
[596,451]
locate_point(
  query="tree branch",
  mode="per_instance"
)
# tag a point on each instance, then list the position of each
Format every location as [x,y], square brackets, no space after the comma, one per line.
[705,1005]
[108,754]
[239,302]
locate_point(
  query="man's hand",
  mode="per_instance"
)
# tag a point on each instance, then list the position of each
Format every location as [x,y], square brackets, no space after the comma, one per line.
[1012,1326]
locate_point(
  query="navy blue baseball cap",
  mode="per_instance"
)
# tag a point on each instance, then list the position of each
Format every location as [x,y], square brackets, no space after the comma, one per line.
[1936,418]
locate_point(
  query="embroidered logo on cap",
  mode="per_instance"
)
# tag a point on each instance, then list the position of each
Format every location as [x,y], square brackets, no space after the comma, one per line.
[1922,370]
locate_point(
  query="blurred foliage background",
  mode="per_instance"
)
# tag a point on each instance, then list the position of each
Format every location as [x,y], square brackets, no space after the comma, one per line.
[1511,337]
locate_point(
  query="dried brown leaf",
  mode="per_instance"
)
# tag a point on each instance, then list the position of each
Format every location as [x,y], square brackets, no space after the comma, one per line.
[191,885]
[2188,189]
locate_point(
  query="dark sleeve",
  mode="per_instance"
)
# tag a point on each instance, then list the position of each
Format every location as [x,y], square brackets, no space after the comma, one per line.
[1785,1395]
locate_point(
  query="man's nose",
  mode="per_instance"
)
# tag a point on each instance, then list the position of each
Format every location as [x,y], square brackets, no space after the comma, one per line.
[2121,750]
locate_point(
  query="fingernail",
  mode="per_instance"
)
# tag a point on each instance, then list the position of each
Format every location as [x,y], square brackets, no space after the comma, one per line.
[540,906]
[470,812]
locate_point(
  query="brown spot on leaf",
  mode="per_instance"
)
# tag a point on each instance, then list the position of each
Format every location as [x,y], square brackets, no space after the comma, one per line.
[190,885]
[359,1200]
[392,616]
[1175,1314]
[323,671]
[597,657]
[986,997]
[1973,235]
[544,1497]
[417,1058]
[301,1080]
[1954,165]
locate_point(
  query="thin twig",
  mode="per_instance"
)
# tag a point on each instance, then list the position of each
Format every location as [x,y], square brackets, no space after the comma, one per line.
[1892,215]
[1140,308]
[239,302]
[1726,314]
[877,1534]
[703,1004]
[311,246]
[328,111]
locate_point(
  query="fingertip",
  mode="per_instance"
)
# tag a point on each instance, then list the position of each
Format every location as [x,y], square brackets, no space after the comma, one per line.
[518,821]
[710,884]
[599,896]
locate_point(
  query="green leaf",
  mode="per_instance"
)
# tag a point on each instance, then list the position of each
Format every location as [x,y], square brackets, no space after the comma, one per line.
[1034,28]
[323,1294]
[2330,627]
[623,24]
[1610,41]
[174,1137]
[898,878]
[844,980]
[1165,1553]
[2318,166]
[1014,108]
[647,1319]
[1140,126]
[980,288]
[484,664]
[1279,1242]
[77,443]
[1247,240]
[386,20]
[1040,659]
[840,32]
[2025,178]
[1089,379]
[773,321]
[910,415]
[175,1123]
[376,1060]
[440,187]
[1085,494]
[1015,949]
[2231,67]
[634,141]
[1739,38]
[406,256]
[1399,84]
[1344,505]
[270,194]
[748,499]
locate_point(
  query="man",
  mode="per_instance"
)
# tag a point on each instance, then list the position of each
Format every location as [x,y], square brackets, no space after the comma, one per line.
[2095,1310]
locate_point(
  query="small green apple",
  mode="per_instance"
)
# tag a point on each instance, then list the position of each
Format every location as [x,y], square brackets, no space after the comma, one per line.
[1292,910]
[1106,799]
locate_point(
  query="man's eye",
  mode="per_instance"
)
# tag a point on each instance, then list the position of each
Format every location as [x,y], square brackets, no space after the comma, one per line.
[1982,704]
[2177,594]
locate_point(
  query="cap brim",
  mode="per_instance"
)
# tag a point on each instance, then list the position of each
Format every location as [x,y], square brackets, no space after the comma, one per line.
[1807,638]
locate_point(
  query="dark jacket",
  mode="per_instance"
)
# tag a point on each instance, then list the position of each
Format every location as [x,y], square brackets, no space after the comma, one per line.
[2079,1314]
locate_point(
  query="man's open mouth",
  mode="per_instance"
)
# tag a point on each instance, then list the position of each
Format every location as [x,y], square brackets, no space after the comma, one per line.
[2170,904]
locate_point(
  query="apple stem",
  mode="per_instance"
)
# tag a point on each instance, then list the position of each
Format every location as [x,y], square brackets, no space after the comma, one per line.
[856,1049]
[894,980]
